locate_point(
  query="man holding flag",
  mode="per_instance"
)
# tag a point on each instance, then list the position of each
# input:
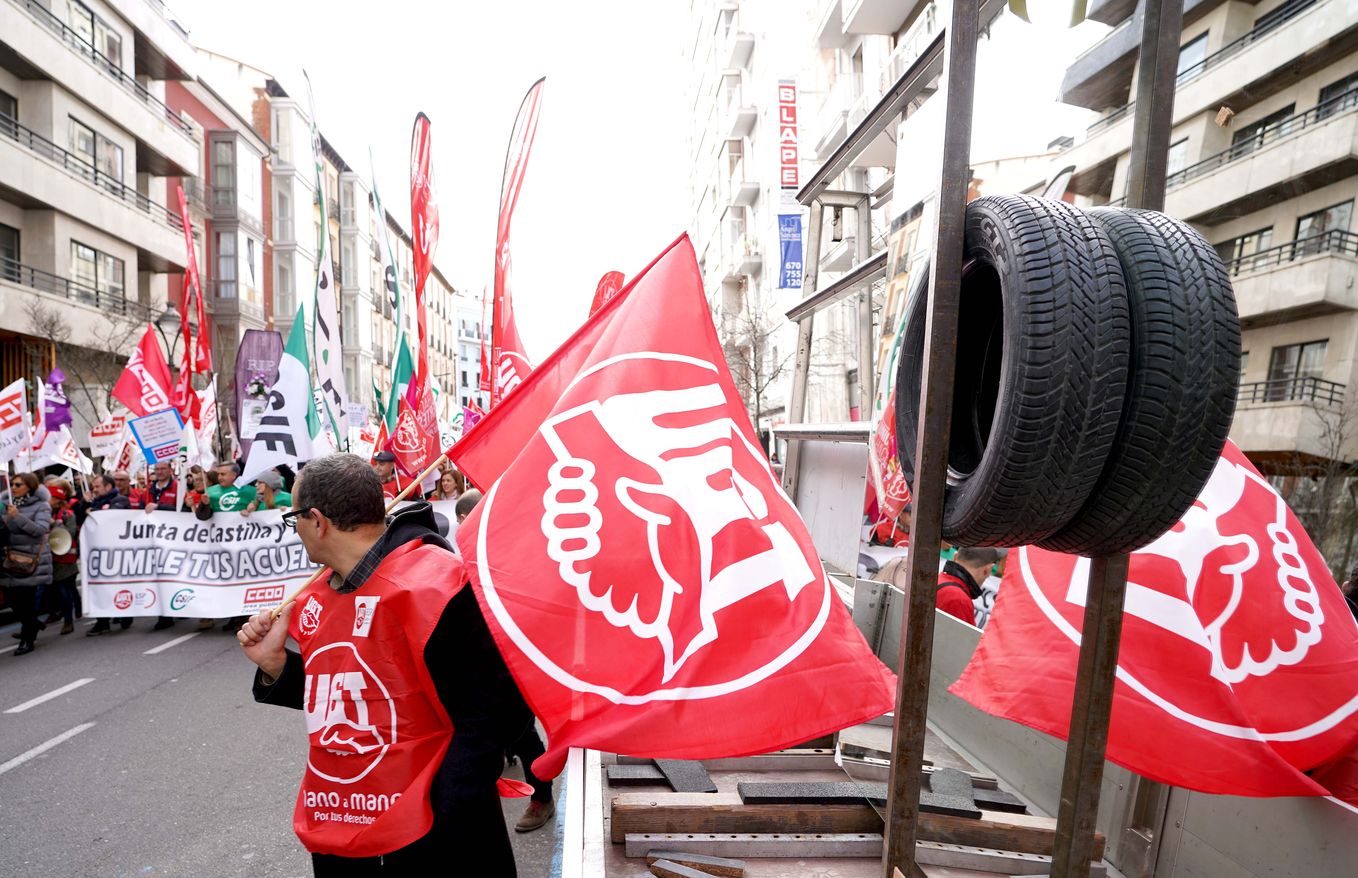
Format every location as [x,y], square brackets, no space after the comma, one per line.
[403,688]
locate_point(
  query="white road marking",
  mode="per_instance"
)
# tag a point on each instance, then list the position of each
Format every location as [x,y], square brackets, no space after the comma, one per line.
[44,747]
[9,649]
[55,693]
[169,643]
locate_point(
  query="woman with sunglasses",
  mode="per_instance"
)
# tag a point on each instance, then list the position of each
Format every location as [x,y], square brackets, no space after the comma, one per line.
[27,518]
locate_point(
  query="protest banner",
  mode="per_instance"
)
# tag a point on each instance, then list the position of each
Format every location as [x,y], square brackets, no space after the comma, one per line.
[106,437]
[161,563]
[158,434]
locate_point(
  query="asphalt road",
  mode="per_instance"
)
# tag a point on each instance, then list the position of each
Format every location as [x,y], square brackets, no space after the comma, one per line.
[157,764]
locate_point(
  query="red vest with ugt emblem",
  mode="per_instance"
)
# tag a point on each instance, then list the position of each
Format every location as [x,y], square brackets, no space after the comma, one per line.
[377,729]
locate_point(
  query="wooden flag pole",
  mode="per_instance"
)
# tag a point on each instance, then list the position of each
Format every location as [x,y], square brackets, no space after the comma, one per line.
[405,492]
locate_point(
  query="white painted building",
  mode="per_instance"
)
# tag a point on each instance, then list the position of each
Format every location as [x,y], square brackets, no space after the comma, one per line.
[86,145]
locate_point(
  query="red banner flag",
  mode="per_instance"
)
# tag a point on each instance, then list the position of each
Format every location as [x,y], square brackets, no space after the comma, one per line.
[484,381]
[191,297]
[509,363]
[607,288]
[415,442]
[424,226]
[652,589]
[144,386]
[1239,657]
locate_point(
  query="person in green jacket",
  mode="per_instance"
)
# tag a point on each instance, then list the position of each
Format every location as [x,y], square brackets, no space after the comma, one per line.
[226,495]
[269,493]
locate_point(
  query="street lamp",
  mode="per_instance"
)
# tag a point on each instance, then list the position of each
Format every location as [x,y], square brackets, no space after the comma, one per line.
[169,322]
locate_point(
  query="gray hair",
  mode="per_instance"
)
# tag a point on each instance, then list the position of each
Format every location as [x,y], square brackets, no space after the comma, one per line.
[344,489]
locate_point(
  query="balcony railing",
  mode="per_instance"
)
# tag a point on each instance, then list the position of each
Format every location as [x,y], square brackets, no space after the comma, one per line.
[1316,390]
[55,285]
[104,65]
[1273,133]
[78,167]
[1335,241]
[1111,119]
[910,47]
[1262,28]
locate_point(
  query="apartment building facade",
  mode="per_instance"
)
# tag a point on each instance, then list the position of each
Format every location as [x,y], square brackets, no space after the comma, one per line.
[226,206]
[87,147]
[842,56]
[1263,162]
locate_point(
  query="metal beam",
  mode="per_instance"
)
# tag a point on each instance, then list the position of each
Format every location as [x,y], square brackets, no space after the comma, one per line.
[841,198]
[867,376]
[926,68]
[859,275]
[796,409]
[931,449]
[1092,704]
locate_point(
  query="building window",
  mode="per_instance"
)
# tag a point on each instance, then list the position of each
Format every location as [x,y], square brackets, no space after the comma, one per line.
[223,173]
[1177,158]
[9,252]
[347,214]
[282,214]
[1244,363]
[96,270]
[1338,96]
[226,265]
[283,289]
[95,31]
[1192,54]
[348,276]
[9,114]
[1250,137]
[1294,368]
[1245,245]
[1314,228]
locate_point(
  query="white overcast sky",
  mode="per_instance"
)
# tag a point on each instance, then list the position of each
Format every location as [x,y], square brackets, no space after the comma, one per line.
[608,186]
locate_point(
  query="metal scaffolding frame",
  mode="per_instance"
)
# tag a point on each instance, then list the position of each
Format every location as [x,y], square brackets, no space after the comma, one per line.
[952,55]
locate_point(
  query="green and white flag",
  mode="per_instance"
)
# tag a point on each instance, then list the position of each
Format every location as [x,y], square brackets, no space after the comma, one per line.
[325,316]
[287,432]
[402,363]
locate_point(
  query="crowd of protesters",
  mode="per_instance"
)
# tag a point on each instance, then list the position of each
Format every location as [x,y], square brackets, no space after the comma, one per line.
[40,569]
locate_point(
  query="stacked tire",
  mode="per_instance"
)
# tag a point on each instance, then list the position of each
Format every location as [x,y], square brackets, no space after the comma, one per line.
[1098,355]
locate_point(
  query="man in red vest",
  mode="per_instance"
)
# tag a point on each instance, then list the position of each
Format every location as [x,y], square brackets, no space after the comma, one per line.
[959,583]
[409,706]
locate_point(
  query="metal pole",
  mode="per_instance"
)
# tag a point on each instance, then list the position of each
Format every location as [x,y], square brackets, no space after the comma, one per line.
[796,411]
[1092,704]
[1161,30]
[931,457]
[867,384]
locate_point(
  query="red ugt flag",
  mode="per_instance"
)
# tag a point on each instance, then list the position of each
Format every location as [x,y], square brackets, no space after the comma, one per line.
[508,361]
[1238,668]
[652,589]
[144,386]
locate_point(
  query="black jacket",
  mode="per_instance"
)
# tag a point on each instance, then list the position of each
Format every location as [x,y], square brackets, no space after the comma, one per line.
[476,689]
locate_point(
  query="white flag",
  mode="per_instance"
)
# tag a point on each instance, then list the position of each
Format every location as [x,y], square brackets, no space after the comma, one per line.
[13,421]
[325,316]
[285,434]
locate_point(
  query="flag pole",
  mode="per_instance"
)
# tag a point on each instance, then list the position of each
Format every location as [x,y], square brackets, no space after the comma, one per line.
[405,492]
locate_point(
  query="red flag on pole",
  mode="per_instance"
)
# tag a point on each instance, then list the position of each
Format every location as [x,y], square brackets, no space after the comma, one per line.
[192,296]
[424,225]
[144,386]
[652,589]
[607,288]
[1239,657]
[509,362]
[484,383]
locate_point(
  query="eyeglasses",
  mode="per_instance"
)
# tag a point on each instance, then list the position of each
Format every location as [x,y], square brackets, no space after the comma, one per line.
[290,518]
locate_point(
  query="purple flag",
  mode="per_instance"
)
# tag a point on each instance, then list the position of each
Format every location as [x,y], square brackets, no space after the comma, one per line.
[56,407]
[470,418]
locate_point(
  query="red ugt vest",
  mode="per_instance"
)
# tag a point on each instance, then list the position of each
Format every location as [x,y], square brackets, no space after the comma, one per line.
[377,729]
